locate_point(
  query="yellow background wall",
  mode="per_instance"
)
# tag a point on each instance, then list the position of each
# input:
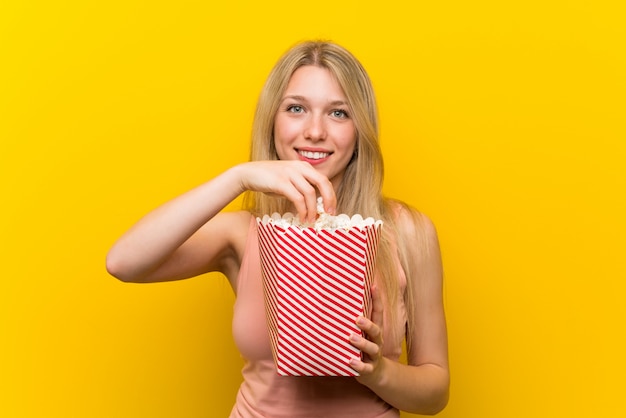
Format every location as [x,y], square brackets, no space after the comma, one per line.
[504,121]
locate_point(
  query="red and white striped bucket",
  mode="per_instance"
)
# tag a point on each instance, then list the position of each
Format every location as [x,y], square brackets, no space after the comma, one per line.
[316,283]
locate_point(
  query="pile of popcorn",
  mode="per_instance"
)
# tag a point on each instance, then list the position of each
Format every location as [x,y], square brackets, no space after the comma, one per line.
[323,221]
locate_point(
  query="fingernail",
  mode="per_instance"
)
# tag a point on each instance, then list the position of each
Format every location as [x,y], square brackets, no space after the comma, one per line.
[360,320]
[354,338]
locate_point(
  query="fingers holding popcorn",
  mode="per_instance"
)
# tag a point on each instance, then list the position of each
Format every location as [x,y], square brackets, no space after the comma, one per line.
[297,181]
[371,346]
[371,365]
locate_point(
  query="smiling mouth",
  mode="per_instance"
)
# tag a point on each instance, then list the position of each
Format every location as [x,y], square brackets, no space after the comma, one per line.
[313,155]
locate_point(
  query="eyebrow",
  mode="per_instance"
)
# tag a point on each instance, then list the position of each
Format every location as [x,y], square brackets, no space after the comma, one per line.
[304,99]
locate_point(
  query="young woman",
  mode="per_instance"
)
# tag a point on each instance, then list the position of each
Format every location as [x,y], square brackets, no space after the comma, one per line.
[315,134]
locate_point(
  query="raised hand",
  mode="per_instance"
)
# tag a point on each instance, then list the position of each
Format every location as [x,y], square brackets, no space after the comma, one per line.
[297,181]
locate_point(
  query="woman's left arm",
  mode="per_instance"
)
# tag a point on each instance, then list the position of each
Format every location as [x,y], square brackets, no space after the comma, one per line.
[422,385]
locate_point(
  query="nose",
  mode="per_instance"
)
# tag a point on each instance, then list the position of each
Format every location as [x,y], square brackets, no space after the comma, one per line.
[315,129]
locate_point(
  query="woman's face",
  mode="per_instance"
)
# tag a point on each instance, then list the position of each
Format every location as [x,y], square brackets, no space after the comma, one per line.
[313,123]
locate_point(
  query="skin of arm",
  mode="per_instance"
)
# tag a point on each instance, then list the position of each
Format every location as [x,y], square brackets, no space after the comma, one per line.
[166,243]
[188,235]
[422,385]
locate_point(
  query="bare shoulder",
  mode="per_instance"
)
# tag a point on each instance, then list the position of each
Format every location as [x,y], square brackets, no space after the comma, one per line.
[414,224]
[230,228]
[235,222]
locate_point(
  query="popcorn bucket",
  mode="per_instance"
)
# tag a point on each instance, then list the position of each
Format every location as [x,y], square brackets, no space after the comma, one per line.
[316,282]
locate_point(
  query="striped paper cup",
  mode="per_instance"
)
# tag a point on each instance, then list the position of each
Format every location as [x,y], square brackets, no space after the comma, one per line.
[316,283]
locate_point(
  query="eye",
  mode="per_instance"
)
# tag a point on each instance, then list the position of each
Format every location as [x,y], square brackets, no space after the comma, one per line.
[339,113]
[295,109]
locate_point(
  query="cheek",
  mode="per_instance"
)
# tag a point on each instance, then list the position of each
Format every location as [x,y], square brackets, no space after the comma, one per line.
[282,137]
[348,138]
[283,130]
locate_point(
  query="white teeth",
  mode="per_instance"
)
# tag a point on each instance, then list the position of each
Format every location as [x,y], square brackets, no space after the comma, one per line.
[313,155]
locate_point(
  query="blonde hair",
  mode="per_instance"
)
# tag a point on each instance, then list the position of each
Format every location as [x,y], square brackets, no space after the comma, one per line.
[361,187]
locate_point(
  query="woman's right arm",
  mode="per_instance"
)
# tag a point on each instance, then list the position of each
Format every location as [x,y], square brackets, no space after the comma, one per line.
[187,236]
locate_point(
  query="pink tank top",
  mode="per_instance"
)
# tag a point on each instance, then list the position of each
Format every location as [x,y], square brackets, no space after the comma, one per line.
[266,394]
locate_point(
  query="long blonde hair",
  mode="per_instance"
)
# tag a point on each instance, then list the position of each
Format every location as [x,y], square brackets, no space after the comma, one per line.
[361,187]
